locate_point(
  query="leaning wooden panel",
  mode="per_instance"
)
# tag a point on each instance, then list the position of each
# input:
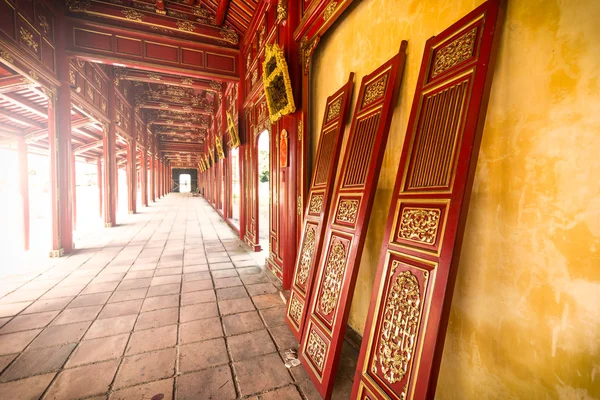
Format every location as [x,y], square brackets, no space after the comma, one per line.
[321,189]
[348,219]
[406,325]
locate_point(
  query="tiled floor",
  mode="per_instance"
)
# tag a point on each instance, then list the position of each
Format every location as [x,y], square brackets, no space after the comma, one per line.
[167,305]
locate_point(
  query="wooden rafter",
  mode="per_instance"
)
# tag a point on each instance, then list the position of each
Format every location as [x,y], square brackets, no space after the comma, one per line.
[128,74]
[22,120]
[221,12]
[24,104]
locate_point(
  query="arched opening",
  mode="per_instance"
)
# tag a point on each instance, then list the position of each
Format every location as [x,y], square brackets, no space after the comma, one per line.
[263,179]
[185,183]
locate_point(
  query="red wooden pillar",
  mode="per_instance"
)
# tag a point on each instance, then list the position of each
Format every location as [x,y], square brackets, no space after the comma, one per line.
[24,188]
[152,179]
[110,162]
[144,177]
[131,176]
[99,184]
[160,178]
[74,190]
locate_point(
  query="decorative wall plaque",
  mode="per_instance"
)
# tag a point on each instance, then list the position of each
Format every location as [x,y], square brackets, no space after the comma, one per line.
[277,84]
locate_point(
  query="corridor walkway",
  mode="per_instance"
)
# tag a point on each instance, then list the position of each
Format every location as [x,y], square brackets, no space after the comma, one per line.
[167,305]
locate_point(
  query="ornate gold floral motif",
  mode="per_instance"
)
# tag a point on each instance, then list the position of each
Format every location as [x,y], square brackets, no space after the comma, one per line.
[79,5]
[90,93]
[329,10]
[375,90]
[215,85]
[299,205]
[164,105]
[334,110]
[154,77]
[44,25]
[133,15]
[261,36]
[295,310]
[308,249]
[34,75]
[454,53]
[229,35]
[254,77]
[219,147]
[282,10]
[103,105]
[187,26]
[187,81]
[316,203]
[347,211]
[316,349]
[72,77]
[28,38]
[7,57]
[307,53]
[419,224]
[401,316]
[334,272]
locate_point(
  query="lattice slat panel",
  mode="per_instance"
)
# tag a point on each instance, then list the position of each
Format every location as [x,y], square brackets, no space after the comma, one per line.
[406,325]
[348,220]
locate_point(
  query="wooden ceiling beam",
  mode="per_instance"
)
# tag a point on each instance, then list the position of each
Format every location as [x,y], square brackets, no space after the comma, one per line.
[129,74]
[25,104]
[10,129]
[186,124]
[154,105]
[22,120]
[221,12]
[87,147]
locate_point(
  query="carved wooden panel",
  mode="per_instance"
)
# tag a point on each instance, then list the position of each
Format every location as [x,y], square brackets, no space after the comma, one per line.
[348,220]
[319,195]
[406,325]
[89,87]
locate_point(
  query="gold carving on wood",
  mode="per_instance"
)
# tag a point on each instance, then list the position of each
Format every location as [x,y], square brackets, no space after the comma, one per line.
[187,81]
[164,105]
[219,147]
[316,349]
[28,38]
[454,53]
[7,57]
[334,272]
[186,26]
[308,249]
[79,5]
[215,86]
[277,84]
[154,77]
[375,90]
[229,35]
[334,110]
[329,10]
[34,75]
[44,25]
[401,316]
[295,312]
[347,211]
[419,224]
[133,15]
[316,204]
[282,10]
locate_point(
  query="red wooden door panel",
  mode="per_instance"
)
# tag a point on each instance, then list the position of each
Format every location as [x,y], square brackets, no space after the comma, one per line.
[406,325]
[347,223]
[321,189]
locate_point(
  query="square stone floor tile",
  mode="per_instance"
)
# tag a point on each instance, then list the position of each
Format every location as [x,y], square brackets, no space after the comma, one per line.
[202,296]
[196,276]
[254,279]
[165,280]
[249,271]
[160,302]
[146,367]
[58,292]
[235,306]
[155,319]
[227,282]
[287,393]
[134,284]
[90,300]
[5,360]
[169,271]
[111,326]
[29,321]
[137,274]
[189,268]
[121,308]
[159,390]
[261,373]
[60,334]
[261,288]
[100,287]
[202,355]
[244,263]
[8,310]
[219,266]
[80,314]
[47,305]
[125,295]
[102,349]
[284,337]
[236,292]
[201,329]
[214,384]
[198,311]
[22,295]
[225,273]
[152,339]
[83,381]
[164,290]
[274,316]
[26,389]
[196,285]
[241,323]
[250,345]
[108,277]
[263,301]
[16,342]
[38,361]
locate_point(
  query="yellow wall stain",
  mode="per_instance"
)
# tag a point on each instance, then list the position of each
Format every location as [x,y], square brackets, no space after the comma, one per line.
[525,317]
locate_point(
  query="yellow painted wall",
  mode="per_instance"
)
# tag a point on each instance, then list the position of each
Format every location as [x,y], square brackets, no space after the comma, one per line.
[525,319]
